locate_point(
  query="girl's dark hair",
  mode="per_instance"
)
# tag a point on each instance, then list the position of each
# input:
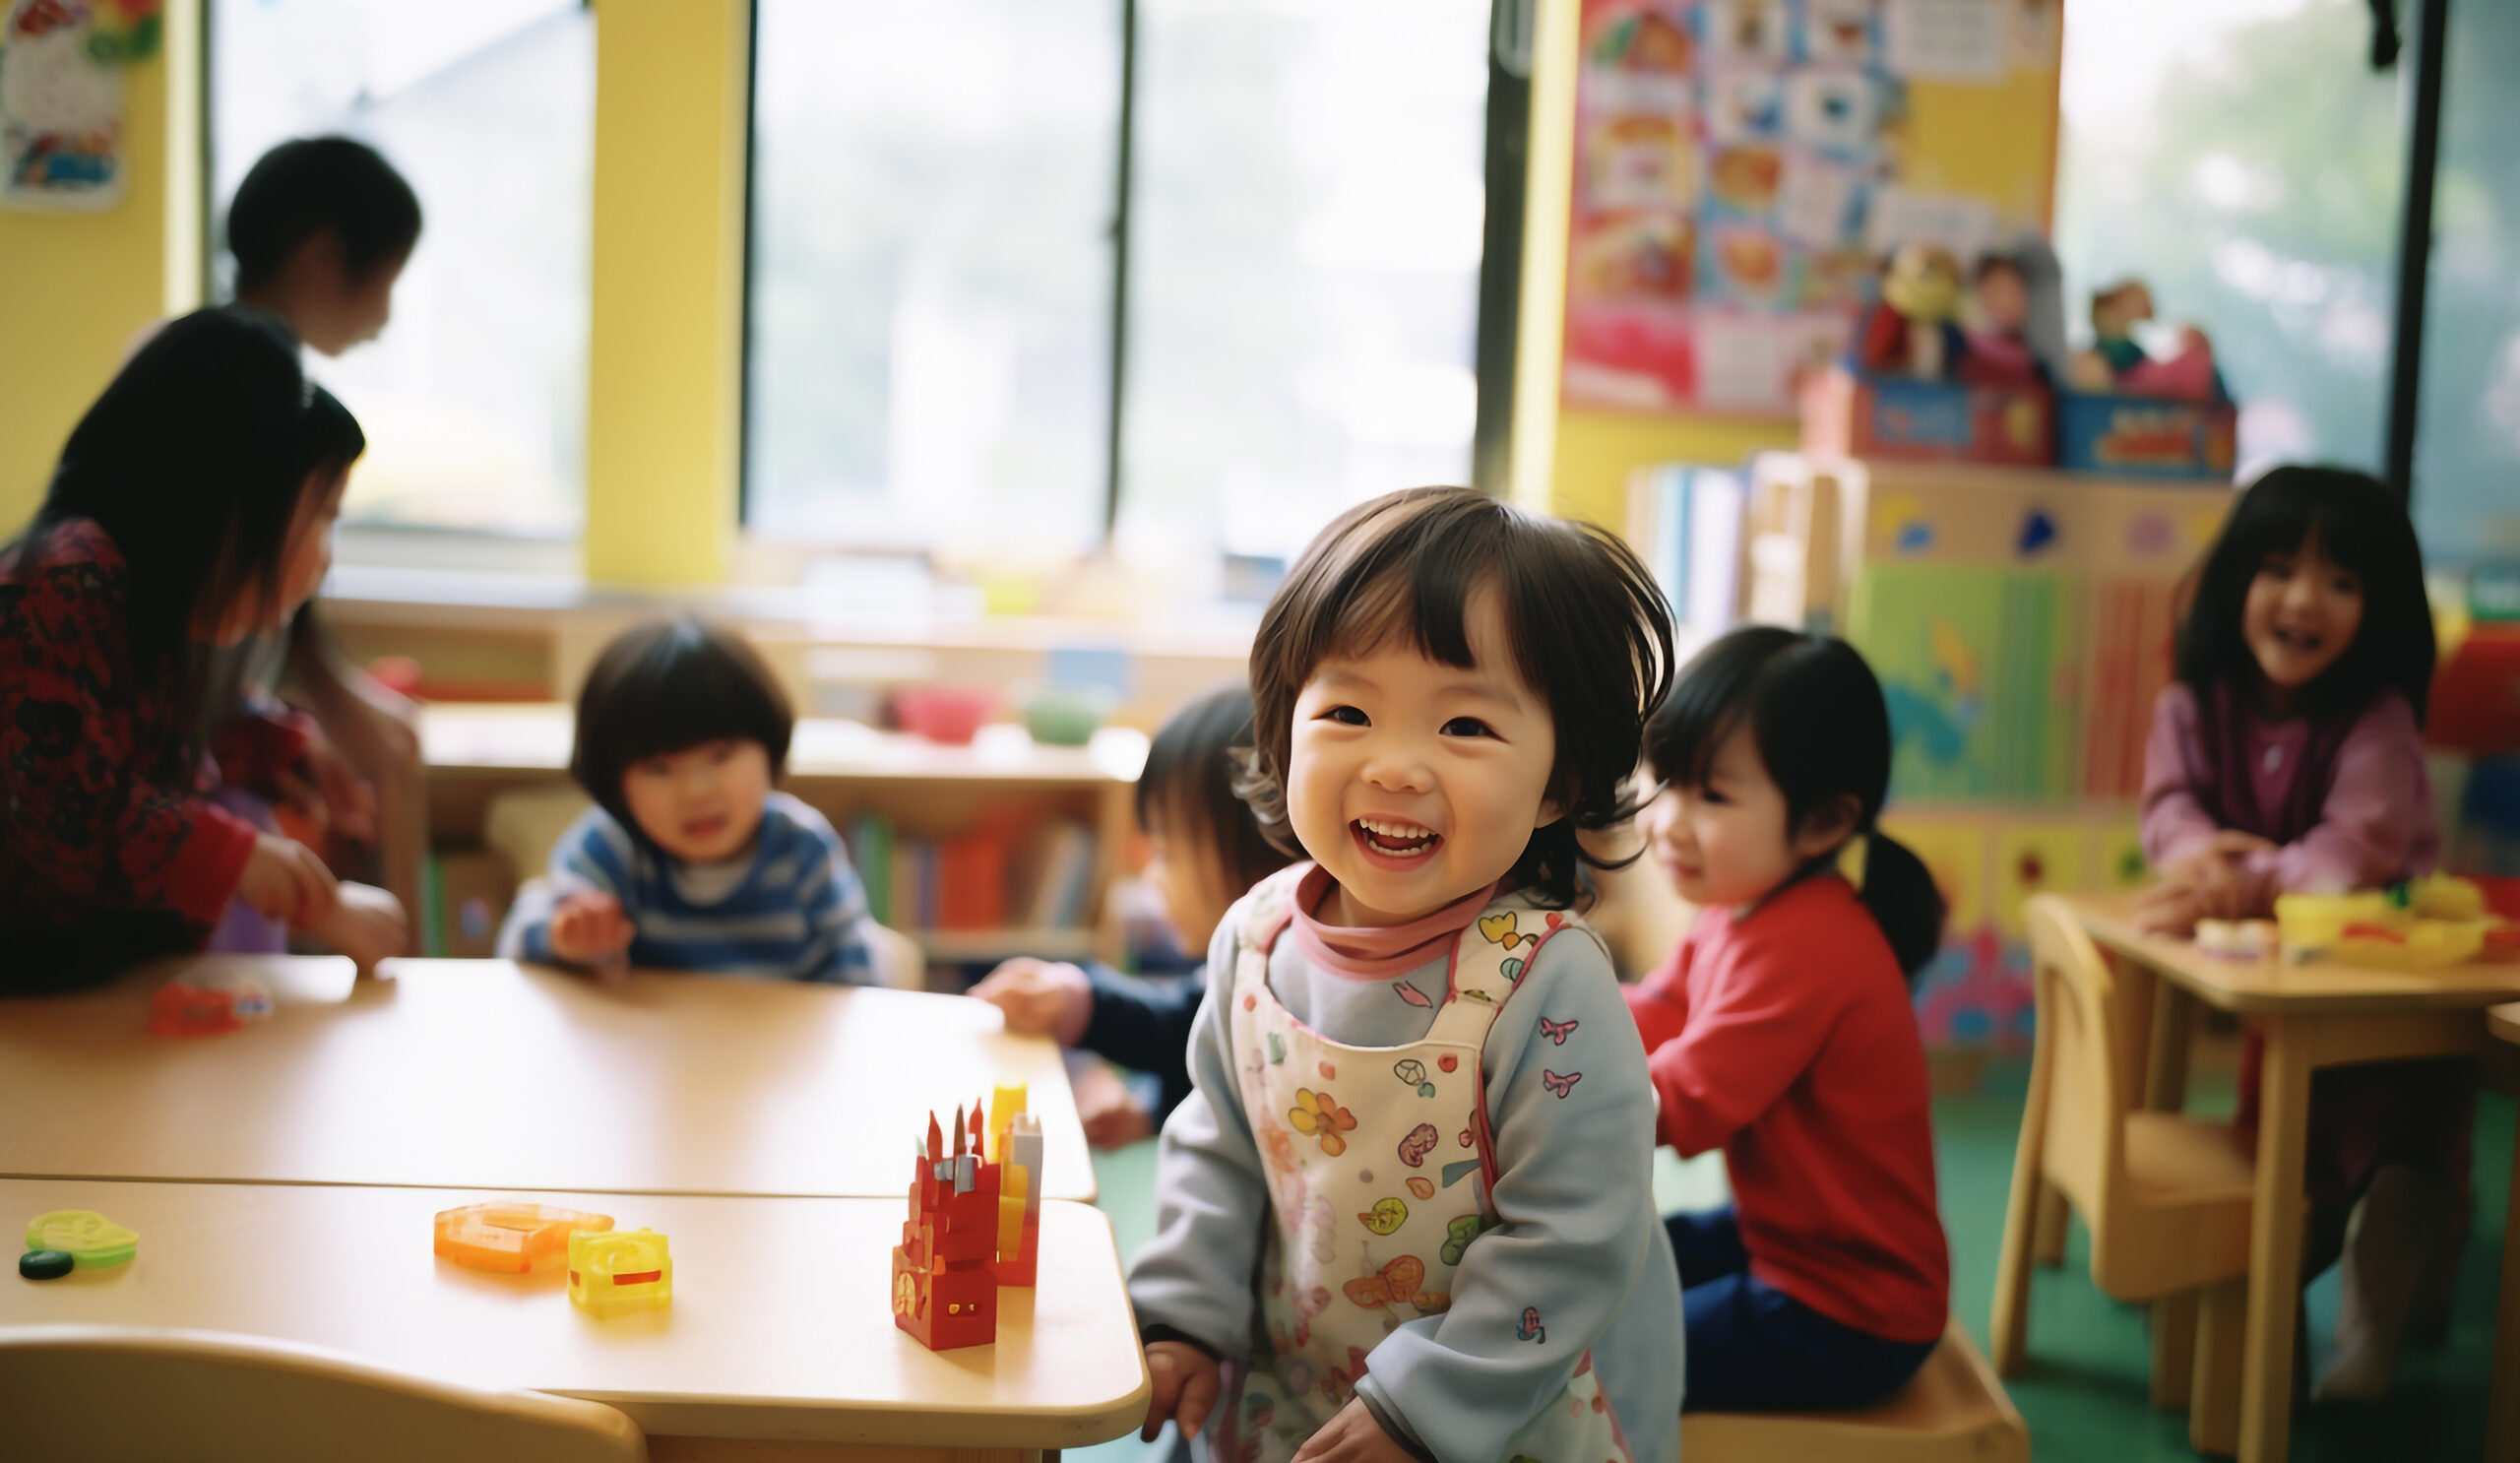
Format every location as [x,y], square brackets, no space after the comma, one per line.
[1823,733]
[331,439]
[313,184]
[1585,623]
[2360,526]
[193,462]
[667,686]
[1188,786]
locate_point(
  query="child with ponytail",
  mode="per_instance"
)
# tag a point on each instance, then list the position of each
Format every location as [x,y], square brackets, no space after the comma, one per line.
[1781,1030]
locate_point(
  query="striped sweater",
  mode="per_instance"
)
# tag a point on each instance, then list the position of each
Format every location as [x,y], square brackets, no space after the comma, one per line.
[792,909]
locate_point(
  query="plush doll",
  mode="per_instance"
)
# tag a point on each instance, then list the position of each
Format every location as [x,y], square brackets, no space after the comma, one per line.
[2116,362]
[1999,349]
[1909,329]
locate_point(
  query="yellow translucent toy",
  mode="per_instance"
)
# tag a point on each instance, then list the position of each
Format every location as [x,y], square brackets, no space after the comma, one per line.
[91,1241]
[2373,928]
[629,1270]
[2443,896]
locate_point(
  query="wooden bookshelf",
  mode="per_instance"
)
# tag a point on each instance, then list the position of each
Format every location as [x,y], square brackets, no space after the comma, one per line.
[846,770]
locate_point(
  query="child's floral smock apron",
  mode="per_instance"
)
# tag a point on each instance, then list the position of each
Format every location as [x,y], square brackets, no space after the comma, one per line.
[1379,1162]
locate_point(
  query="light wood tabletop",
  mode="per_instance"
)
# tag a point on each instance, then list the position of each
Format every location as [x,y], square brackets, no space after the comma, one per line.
[2323,987]
[2313,1015]
[488,1073]
[780,1327]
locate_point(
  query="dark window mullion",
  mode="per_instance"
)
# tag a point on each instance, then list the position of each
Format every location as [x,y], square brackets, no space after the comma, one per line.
[1500,257]
[1121,180]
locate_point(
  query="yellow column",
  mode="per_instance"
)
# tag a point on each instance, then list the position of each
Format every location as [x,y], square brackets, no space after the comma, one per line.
[75,287]
[1539,329]
[665,375]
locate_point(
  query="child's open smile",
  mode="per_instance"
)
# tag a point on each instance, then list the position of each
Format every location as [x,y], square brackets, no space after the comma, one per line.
[2299,618]
[701,804]
[1416,783]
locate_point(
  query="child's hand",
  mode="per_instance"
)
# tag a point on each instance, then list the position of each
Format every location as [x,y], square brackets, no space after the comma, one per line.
[2170,908]
[1185,1388]
[1351,1435]
[329,792]
[2211,883]
[1040,998]
[1111,1113]
[287,881]
[367,925]
[588,928]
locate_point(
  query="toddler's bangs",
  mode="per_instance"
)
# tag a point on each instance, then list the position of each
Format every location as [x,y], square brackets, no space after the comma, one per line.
[1715,692]
[673,702]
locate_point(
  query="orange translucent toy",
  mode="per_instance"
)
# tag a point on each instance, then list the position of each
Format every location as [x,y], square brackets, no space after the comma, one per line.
[620,1272]
[512,1238]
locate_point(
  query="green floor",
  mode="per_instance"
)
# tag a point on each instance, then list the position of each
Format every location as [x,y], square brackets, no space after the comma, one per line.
[2083,1392]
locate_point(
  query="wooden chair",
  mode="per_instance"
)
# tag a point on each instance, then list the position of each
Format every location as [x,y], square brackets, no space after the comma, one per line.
[2166,1197]
[1952,1410]
[130,1394]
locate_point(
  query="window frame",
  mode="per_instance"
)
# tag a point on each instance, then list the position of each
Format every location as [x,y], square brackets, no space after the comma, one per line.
[1505,152]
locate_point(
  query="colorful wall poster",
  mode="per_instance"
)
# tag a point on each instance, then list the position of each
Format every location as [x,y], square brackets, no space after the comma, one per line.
[1736,164]
[61,97]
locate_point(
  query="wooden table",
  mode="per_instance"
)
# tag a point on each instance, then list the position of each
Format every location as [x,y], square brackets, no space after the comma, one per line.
[2315,1015]
[781,1325]
[487,1074]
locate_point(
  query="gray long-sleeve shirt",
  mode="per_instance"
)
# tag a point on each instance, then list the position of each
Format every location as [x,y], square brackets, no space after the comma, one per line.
[1579,1241]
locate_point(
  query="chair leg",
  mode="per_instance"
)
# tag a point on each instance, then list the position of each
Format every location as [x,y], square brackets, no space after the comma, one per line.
[2050,1246]
[2008,1329]
[2214,1402]
[2175,1328]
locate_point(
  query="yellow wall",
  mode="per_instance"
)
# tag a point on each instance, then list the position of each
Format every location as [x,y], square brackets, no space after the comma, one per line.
[1997,142]
[75,287]
[666,373]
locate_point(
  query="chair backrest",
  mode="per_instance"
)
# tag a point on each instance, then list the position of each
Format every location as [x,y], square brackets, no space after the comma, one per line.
[133,1394]
[2083,1054]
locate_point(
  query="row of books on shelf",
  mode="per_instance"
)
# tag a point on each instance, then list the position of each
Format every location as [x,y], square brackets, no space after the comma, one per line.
[999,875]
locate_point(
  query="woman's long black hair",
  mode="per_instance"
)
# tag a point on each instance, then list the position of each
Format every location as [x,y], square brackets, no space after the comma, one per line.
[1823,730]
[193,462]
[2361,527]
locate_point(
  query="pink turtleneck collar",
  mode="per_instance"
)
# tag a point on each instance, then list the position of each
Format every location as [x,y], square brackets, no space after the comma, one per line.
[1378,953]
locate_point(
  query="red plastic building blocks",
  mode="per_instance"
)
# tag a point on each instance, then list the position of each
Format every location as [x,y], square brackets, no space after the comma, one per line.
[944,1290]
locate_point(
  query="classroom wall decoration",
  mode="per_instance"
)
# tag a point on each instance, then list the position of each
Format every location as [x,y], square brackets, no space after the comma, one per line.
[61,97]
[1740,165]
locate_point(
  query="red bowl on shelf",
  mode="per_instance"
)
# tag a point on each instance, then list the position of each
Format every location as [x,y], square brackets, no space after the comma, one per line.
[950,715]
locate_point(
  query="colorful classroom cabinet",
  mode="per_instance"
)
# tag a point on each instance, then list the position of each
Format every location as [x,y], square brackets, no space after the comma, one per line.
[2021,623]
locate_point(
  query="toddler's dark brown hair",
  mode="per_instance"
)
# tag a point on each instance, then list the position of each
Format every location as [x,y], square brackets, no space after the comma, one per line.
[1585,623]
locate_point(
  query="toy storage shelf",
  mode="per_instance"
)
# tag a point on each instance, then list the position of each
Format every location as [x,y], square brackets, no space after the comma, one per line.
[478,755]
[1814,523]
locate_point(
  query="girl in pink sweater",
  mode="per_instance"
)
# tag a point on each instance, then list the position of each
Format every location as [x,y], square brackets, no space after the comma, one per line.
[2288,757]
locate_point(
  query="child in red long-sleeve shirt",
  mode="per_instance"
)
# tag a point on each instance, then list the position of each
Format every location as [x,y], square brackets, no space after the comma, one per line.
[192,508]
[1781,1032]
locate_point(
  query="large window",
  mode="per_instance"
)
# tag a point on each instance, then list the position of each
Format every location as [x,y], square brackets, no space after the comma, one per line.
[2242,157]
[475,399]
[1304,274]
[931,277]
[2467,463]
[935,191]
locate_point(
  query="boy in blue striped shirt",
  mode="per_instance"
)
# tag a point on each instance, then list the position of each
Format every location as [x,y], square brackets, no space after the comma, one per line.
[689,860]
